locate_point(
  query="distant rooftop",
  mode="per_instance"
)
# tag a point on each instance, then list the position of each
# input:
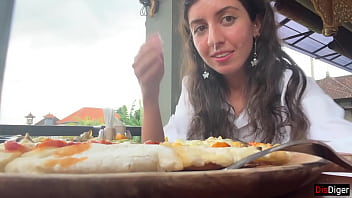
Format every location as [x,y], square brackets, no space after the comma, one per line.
[96,114]
[337,87]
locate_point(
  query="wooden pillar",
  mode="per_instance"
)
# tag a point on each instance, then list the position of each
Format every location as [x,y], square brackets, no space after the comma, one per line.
[165,21]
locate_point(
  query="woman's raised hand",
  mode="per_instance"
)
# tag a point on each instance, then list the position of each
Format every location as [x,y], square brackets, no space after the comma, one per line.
[149,67]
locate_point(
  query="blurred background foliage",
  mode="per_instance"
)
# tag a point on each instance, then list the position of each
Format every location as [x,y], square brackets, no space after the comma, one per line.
[132,116]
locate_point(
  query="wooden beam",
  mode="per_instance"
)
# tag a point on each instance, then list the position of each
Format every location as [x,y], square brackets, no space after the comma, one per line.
[300,14]
[333,14]
[342,42]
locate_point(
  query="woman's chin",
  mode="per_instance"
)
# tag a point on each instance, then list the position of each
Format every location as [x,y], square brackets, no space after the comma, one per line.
[229,71]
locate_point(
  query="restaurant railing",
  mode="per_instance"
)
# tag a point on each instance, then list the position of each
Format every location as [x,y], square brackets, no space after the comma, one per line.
[7,131]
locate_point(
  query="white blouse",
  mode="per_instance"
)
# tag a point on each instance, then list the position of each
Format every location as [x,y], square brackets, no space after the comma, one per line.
[326,118]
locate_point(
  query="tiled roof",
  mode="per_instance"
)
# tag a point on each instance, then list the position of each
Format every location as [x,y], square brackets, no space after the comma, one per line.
[337,87]
[49,115]
[96,114]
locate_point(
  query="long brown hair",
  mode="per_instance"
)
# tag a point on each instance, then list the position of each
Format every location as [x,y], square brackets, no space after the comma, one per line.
[213,116]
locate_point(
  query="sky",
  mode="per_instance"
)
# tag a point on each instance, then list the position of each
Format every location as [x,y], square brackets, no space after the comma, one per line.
[65,55]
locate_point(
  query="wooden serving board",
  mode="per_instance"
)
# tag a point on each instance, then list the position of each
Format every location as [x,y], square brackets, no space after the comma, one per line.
[247,182]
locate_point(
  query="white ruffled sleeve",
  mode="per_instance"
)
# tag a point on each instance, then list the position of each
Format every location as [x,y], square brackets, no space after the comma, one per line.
[326,119]
[179,122]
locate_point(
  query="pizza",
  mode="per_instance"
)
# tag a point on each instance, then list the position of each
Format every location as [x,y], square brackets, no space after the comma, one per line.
[102,156]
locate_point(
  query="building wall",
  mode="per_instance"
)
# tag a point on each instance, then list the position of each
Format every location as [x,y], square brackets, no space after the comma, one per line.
[346,104]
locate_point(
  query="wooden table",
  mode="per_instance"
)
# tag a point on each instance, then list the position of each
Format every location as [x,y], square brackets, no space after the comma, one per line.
[333,174]
[57,191]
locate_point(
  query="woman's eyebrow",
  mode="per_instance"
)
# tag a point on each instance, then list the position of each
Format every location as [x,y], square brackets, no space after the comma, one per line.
[224,9]
[196,21]
[219,12]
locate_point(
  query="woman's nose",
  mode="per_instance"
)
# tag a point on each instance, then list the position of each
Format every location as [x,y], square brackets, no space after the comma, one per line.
[215,36]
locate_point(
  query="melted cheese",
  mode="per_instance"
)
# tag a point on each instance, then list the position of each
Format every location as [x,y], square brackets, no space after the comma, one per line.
[64,162]
[6,157]
[201,155]
[72,150]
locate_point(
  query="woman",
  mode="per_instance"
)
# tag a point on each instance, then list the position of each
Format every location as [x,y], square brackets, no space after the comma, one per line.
[239,83]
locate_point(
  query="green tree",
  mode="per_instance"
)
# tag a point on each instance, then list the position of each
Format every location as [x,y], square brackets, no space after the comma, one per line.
[132,116]
[86,122]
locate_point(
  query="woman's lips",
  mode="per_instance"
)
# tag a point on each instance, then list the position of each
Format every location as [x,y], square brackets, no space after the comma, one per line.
[222,56]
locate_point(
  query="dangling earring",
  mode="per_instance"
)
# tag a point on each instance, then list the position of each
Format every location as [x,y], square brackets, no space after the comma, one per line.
[254,61]
[205,73]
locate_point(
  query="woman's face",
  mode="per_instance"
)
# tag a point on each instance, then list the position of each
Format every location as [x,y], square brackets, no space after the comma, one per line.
[222,33]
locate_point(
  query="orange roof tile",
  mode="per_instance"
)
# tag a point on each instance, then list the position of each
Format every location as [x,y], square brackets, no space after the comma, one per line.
[86,113]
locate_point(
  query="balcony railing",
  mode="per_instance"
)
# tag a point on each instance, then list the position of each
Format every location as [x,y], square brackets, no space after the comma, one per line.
[7,131]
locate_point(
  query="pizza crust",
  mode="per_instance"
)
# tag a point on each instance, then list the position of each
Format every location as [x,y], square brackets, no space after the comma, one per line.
[6,157]
[99,158]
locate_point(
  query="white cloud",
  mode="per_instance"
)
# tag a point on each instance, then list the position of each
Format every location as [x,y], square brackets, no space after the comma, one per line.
[65,55]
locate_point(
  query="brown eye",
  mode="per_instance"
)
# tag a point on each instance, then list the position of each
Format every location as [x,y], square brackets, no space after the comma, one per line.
[199,29]
[227,20]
